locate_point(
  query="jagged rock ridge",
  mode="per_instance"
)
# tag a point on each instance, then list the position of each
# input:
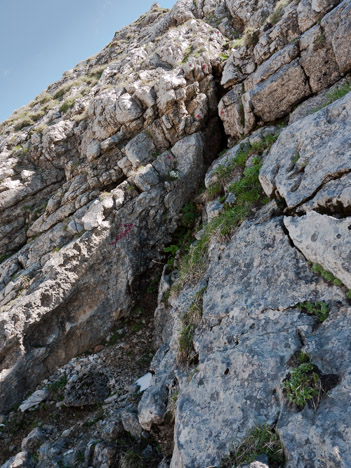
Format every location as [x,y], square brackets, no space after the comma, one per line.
[94,175]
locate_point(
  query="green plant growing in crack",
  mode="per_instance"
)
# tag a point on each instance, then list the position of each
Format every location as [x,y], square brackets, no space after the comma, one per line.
[214,191]
[183,237]
[249,195]
[320,39]
[334,96]
[80,457]
[225,172]
[224,56]
[172,250]
[187,54]
[295,159]
[4,257]
[58,385]
[303,384]
[260,440]
[190,320]
[319,309]
[192,373]
[319,270]
[278,12]
[67,105]
[251,37]
[237,43]
[137,327]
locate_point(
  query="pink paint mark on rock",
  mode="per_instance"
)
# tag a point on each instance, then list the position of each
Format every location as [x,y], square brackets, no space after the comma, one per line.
[198,116]
[126,230]
[204,66]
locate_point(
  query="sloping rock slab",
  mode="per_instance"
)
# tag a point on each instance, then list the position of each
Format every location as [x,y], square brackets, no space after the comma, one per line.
[322,437]
[333,197]
[250,330]
[275,96]
[309,153]
[324,240]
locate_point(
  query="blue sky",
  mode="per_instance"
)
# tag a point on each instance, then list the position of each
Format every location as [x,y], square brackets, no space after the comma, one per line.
[41,39]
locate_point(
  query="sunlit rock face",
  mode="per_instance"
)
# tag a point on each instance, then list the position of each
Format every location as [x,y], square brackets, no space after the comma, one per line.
[210,143]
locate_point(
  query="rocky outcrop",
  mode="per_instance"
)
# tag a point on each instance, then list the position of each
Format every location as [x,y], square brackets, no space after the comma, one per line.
[99,191]
[284,63]
[99,188]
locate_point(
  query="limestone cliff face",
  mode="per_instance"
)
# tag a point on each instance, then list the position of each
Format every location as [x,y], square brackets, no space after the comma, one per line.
[252,322]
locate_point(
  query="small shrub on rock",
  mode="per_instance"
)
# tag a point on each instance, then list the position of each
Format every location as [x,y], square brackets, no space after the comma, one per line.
[303,384]
[251,37]
[68,104]
[319,309]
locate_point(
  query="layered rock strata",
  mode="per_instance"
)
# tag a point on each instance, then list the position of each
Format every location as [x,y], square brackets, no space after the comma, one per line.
[94,175]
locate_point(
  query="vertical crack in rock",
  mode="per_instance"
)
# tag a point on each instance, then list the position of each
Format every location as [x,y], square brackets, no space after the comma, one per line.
[94,175]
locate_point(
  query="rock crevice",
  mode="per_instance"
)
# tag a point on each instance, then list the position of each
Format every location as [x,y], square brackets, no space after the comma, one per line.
[99,188]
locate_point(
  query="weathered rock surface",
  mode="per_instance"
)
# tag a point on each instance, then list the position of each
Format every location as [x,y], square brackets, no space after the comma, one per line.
[248,299]
[333,197]
[292,58]
[21,460]
[35,399]
[323,435]
[309,153]
[324,240]
[91,219]
[88,389]
[95,179]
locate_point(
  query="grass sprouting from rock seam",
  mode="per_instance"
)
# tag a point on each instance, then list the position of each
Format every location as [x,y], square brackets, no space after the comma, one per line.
[319,309]
[58,385]
[319,270]
[278,12]
[67,105]
[237,43]
[249,195]
[183,237]
[4,257]
[334,96]
[295,159]
[214,191]
[261,440]
[190,320]
[224,56]
[251,37]
[224,172]
[187,54]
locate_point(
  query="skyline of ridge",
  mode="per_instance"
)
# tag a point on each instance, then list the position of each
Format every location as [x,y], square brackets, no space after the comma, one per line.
[43,42]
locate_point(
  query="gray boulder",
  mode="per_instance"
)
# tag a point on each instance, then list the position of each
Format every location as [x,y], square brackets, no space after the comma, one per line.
[324,240]
[300,162]
[21,460]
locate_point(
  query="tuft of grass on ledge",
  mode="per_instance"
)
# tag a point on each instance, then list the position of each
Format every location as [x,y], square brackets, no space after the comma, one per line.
[334,96]
[260,440]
